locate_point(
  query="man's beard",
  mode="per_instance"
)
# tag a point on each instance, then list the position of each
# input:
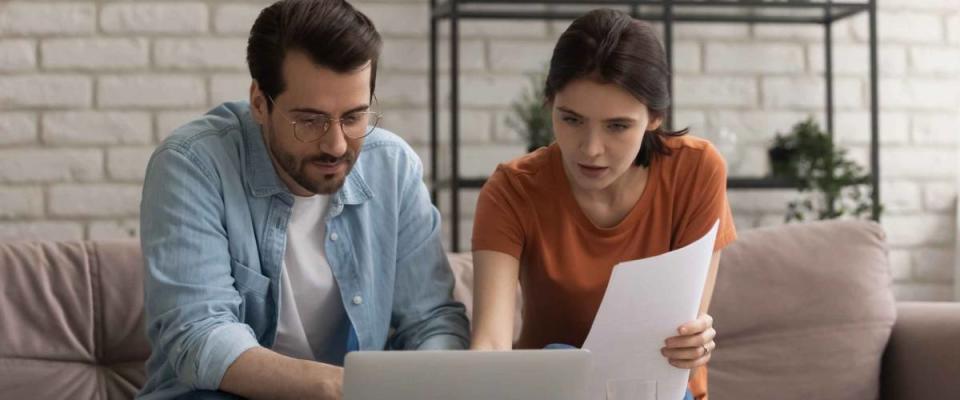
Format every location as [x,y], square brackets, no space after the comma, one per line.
[294,167]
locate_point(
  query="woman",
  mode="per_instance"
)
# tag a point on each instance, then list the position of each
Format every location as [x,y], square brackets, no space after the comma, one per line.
[615,186]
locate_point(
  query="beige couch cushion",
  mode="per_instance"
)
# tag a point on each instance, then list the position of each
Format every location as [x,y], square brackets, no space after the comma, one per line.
[803,312]
[72,320]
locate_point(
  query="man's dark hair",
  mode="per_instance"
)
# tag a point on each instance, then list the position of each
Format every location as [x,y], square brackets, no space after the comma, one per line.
[620,50]
[330,32]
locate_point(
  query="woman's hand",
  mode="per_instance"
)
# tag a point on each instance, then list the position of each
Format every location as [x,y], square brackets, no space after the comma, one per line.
[693,346]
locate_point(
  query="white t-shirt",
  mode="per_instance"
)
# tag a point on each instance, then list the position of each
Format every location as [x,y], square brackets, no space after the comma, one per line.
[313,323]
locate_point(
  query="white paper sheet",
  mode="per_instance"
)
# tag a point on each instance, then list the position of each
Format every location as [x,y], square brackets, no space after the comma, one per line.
[645,302]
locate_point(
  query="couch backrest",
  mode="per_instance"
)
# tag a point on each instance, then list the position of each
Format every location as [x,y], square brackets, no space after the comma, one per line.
[71,320]
[803,311]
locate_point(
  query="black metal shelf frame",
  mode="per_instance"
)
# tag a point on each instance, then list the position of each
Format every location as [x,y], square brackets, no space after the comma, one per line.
[667,12]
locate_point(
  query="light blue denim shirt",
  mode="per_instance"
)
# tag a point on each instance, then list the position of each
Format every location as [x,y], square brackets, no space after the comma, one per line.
[213,231]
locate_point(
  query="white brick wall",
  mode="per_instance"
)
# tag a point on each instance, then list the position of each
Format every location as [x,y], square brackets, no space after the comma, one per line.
[905,27]
[715,91]
[128,163]
[151,91]
[18,55]
[953,28]
[744,58]
[34,165]
[180,18]
[17,128]
[94,127]
[201,53]
[89,87]
[21,202]
[520,56]
[35,90]
[920,94]
[808,93]
[854,59]
[94,200]
[95,54]
[40,18]
[41,230]
[943,60]
[235,18]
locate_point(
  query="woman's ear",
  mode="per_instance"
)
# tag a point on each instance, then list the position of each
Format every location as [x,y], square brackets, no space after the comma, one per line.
[258,104]
[654,123]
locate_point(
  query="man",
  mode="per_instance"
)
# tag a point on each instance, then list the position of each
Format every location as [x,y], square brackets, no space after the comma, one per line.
[272,246]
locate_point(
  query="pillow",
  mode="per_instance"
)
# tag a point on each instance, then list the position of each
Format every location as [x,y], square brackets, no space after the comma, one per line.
[802,311]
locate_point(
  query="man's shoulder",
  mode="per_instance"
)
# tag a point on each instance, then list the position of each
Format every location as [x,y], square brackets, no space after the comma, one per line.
[219,122]
[212,138]
[383,148]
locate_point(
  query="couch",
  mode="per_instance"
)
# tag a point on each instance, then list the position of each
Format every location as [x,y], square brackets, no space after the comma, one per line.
[803,312]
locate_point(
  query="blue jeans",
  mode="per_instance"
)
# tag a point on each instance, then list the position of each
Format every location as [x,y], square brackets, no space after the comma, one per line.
[560,346]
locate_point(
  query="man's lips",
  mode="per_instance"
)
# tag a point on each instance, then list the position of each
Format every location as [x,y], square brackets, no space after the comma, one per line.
[329,167]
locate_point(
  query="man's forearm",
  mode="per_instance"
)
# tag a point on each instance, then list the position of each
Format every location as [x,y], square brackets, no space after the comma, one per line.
[263,374]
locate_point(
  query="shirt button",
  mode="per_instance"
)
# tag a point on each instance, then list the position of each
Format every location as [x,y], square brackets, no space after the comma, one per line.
[357,300]
[334,236]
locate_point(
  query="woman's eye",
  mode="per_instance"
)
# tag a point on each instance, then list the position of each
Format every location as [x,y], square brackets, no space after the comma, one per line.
[618,127]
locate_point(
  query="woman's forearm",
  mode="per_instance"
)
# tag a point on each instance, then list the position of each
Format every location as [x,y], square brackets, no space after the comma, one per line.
[494,301]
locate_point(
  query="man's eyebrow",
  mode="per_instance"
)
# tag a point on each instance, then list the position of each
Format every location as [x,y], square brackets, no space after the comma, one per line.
[311,110]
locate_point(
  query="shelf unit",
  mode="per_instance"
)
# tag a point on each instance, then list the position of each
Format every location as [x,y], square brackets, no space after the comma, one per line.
[667,12]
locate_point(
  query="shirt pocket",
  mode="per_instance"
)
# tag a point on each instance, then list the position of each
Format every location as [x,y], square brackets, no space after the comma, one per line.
[253,286]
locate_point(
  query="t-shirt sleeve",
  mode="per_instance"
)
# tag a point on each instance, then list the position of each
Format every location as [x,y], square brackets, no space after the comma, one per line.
[497,222]
[706,202]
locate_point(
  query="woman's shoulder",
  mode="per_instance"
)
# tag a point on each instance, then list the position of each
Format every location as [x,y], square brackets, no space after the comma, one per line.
[689,149]
[527,169]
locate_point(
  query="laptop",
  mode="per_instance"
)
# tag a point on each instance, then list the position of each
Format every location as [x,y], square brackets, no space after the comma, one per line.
[467,375]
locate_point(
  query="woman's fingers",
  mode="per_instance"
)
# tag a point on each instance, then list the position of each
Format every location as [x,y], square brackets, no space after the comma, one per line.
[698,325]
[694,340]
[694,346]
[689,357]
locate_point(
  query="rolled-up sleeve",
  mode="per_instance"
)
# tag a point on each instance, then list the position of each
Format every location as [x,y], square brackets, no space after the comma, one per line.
[192,305]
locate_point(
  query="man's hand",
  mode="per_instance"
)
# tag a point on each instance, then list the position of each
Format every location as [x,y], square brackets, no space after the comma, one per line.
[263,374]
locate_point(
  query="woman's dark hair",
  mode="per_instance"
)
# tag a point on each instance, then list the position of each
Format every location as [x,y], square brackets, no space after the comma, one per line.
[331,32]
[617,49]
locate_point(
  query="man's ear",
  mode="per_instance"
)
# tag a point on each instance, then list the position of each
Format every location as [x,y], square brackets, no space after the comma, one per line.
[258,104]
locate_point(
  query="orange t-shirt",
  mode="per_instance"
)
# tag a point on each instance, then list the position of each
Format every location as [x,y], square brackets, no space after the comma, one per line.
[527,210]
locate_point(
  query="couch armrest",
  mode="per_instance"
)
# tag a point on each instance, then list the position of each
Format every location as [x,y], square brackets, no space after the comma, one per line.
[922,359]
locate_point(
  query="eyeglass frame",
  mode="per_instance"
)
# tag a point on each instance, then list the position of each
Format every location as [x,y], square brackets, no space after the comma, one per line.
[329,121]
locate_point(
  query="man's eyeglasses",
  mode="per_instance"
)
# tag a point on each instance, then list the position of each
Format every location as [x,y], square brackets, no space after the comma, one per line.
[355,125]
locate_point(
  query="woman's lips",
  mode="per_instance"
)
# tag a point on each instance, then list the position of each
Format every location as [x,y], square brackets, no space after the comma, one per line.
[592,171]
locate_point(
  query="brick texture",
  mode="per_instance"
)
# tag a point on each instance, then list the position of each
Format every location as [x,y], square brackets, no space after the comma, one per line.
[88,88]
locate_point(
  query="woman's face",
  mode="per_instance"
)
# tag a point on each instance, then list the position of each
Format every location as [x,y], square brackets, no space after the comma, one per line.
[599,128]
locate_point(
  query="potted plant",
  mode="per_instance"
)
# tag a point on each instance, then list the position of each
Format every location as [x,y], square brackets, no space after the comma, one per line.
[529,115]
[831,185]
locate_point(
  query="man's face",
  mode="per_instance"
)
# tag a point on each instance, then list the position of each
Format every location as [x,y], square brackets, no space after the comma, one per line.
[320,163]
